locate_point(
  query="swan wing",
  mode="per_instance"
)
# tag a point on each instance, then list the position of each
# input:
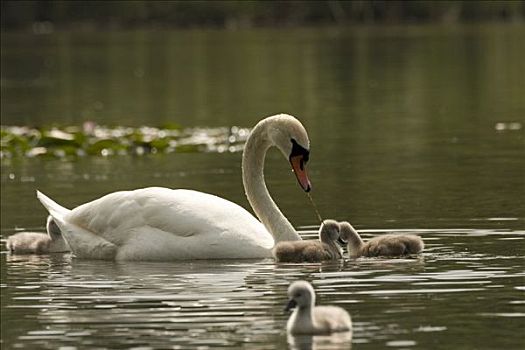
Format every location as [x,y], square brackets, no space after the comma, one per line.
[332,319]
[182,213]
[161,224]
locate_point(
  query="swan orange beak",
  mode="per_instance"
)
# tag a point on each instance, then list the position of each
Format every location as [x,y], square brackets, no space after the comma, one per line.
[298,166]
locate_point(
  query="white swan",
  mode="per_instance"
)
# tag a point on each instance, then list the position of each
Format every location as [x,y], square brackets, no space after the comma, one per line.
[311,250]
[384,245]
[164,224]
[310,319]
[38,243]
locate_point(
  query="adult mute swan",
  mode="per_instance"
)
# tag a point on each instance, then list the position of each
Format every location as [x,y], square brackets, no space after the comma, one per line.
[310,319]
[384,245]
[311,250]
[164,224]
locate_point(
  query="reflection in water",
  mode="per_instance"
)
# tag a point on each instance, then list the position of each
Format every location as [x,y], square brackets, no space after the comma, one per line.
[55,300]
[341,340]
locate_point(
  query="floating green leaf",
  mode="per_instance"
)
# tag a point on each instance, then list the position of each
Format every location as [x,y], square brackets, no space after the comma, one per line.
[96,140]
[109,145]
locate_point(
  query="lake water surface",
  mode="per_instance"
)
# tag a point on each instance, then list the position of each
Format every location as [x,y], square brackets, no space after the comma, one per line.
[413,130]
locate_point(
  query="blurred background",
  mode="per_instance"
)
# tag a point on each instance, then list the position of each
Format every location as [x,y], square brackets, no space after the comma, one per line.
[414,107]
[245,14]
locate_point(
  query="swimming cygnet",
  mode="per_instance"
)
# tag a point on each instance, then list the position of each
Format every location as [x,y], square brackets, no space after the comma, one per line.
[310,319]
[37,242]
[311,250]
[384,245]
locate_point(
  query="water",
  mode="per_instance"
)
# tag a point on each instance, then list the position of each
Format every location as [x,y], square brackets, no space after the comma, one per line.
[465,290]
[413,129]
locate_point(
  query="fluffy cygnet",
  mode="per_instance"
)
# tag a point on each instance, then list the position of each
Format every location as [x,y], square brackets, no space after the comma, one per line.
[384,245]
[310,319]
[311,250]
[37,242]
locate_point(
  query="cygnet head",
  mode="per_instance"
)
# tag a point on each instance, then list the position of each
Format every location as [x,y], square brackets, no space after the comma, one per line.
[301,294]
[348,236]
[347,233]
[290,137]
[329,231]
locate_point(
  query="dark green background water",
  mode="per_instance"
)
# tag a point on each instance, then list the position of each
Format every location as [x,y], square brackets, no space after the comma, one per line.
[411,128]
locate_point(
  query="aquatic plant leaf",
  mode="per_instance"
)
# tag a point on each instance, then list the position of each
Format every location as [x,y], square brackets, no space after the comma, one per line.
[57,138]
[160,144]
[97,140]
[107,144]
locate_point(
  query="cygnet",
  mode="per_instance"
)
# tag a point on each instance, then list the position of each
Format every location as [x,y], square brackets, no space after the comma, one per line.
[37,242]
[310,319]
[311,250]
[384,245]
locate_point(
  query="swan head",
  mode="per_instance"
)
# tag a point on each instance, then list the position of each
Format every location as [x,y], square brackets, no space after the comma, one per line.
[290,137]
[347,234]
[329,231]
[301,294]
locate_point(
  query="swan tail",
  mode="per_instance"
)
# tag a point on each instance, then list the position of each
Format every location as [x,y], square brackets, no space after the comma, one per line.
[55,210]
[83,243]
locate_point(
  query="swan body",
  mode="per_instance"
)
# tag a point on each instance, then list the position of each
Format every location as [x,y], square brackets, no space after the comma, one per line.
[325,248]
[141,226]
[310,319]
[162,224]
[37,242]
[384,245]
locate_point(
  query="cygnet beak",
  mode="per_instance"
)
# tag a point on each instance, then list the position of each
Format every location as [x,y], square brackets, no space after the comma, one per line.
[342,241]
[291,304]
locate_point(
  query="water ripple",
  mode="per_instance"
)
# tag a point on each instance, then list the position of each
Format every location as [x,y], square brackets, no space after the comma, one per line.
[398,303]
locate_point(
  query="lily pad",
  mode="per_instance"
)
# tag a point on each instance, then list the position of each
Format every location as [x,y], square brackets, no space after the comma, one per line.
[97,140]
[99,146]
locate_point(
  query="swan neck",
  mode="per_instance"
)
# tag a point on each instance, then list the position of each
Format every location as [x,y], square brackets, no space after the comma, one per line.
[262,203]
[305,316]
[355,242]
[335,251]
